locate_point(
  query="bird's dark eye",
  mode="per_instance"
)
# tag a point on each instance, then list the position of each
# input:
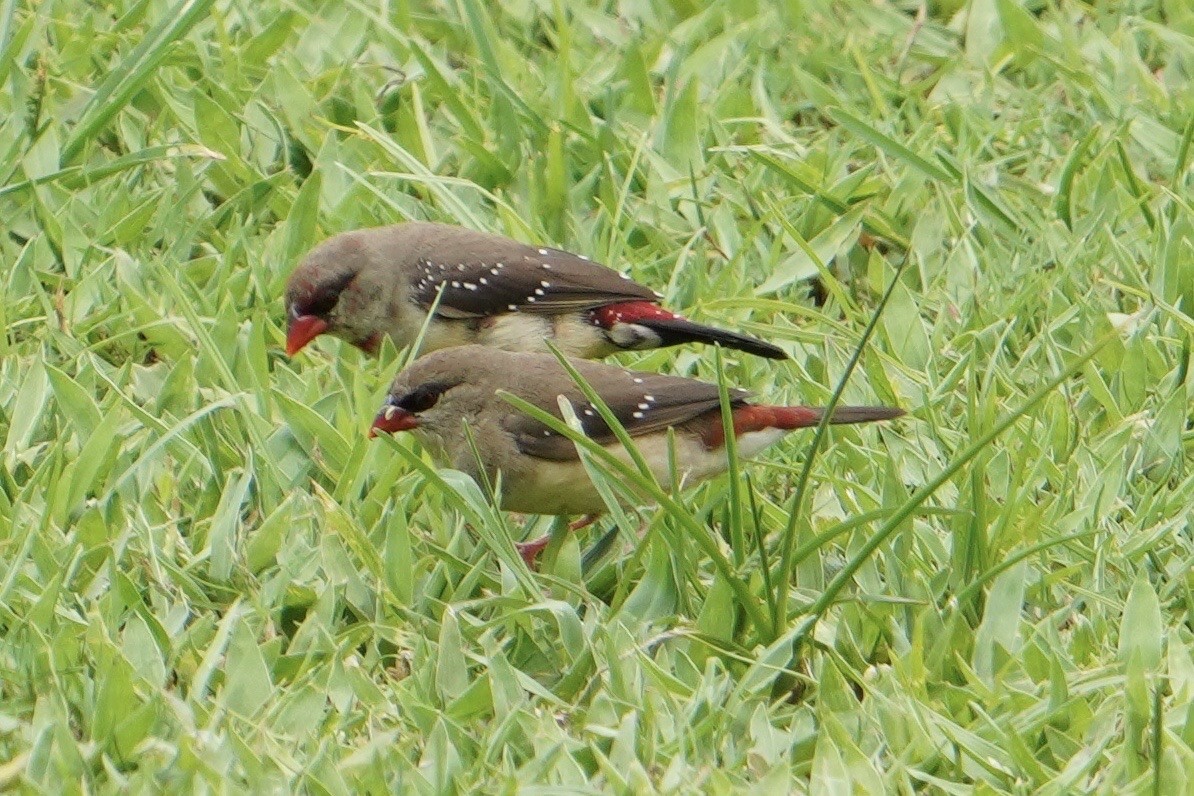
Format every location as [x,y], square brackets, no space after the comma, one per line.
[422,398]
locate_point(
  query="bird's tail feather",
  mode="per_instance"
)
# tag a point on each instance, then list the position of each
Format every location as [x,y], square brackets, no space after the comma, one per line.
[760,417]
[674,331]
[804,417]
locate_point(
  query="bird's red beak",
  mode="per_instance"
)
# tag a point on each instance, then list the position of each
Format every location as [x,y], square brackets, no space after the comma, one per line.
[302,330]
[391,420]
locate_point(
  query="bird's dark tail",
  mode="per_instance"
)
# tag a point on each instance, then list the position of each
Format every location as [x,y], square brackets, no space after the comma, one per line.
[672,329]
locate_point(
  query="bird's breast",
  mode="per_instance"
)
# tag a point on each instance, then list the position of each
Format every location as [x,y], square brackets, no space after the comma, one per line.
[520,331]
[536,486]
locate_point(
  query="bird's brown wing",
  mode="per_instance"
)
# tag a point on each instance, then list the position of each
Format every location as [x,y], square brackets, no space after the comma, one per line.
[483,275]
[642,403]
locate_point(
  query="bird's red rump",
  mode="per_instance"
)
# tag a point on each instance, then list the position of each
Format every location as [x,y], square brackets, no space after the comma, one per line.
[782,417]
[629,312]
[757,418]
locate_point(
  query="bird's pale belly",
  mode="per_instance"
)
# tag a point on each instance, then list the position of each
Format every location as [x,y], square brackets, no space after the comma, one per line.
[517,331]
[525,332]
[548,487]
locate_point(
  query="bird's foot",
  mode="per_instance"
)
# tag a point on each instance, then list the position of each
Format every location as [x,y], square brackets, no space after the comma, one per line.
[583,522]
[531,550]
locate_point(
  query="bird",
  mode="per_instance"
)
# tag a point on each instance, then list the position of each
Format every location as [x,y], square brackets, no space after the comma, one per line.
[482,288]
[438,395]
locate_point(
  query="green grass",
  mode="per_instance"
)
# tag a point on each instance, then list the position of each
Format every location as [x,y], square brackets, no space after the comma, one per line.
[210,578]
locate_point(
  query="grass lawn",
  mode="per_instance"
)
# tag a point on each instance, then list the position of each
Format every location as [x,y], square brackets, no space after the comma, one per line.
[211,580]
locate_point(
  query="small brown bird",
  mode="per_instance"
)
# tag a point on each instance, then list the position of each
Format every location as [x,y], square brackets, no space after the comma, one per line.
[541,472]
[363,285]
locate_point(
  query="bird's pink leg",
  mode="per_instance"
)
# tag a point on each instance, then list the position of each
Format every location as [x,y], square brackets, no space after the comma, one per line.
[531,550]
[583,522]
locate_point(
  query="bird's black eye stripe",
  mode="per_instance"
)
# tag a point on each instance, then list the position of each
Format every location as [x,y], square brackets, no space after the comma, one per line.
[325,298]
[422,398]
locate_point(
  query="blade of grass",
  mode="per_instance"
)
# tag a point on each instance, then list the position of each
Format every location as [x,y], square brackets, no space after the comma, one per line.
[887,144]
[1064,202]
[783,578]
[737,540]
[874,221]
[480,516]
[904,512]
[132,72]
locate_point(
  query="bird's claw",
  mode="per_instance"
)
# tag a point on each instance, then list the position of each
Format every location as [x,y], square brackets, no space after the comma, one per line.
[583,522]
[531,550]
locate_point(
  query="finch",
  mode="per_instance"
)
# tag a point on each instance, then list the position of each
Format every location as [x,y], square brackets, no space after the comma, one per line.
[363,285]
[541,471]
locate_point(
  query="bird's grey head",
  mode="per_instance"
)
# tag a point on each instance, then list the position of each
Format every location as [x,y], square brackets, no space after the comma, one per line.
[437,394]
[336,290]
